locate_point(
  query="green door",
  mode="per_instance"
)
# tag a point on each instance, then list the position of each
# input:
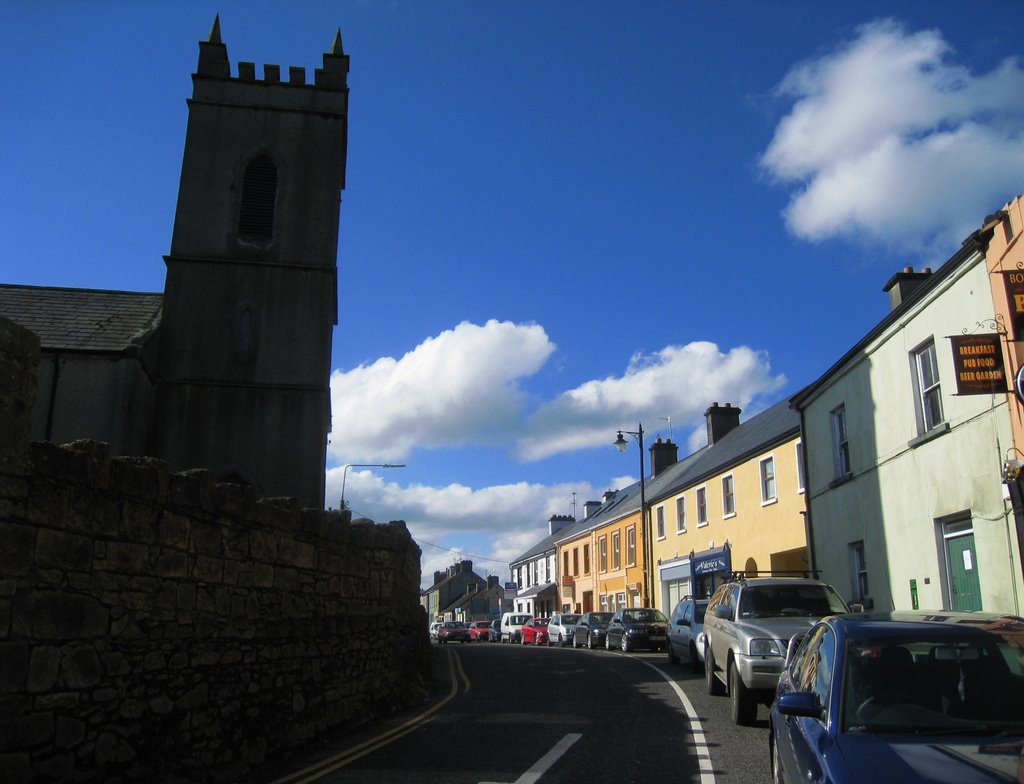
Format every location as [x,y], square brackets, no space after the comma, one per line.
[965,586]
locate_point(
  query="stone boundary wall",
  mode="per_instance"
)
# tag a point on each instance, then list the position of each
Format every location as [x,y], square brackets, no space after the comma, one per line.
[155,626]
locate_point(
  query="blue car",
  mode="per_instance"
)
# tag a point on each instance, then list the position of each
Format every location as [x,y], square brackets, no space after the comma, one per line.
[902,697]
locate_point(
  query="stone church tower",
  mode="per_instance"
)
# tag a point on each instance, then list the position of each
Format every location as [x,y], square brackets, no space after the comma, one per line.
[251,292]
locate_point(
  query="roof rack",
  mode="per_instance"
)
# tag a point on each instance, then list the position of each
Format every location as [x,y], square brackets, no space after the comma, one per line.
[814,574]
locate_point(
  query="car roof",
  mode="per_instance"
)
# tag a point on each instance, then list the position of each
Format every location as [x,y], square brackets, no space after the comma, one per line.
[776,581]
[934,622]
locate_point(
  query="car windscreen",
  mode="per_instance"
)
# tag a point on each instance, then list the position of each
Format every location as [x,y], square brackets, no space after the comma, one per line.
[600,619]
[698,612]
[808,601]
[643,616]
[569,620]
[944,685]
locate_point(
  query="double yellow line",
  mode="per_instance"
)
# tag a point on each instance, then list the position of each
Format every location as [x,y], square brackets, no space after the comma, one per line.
[456,674]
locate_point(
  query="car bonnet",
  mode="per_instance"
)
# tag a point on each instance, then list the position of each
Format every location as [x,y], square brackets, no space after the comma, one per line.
[909,759]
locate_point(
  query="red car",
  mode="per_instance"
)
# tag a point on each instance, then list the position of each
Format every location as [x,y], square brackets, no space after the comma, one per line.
[479,631]
[451,631]
[535,631]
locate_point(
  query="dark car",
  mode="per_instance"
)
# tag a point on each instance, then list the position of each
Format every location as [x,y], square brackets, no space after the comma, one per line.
[496,630]
[453,631]
[637,627]
[535,632]
[907,697]
[590,630]
[686,632]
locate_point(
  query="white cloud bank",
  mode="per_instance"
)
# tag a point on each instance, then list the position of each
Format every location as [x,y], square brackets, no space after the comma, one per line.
[890,141]
[463,388]
[678,381]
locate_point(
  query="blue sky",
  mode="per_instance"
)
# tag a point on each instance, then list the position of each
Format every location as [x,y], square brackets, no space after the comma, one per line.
[560,219]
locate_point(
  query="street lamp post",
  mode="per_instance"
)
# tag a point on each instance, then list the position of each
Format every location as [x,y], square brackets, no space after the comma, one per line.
[621,443]
[344,474]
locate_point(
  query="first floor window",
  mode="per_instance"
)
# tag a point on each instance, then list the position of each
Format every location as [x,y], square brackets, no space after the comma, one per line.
[728,496]
[840,443]
[602,546]
[681,515]
[927,387]
[767,480]
[702,506]
[616,550]
[660,514]
[630,546]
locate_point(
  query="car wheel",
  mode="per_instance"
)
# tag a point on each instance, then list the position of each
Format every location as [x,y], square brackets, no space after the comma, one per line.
[744,706]
[590,642]
[624,644]
[711,682]
[561,641]
[694,658]
[607,642]
[672,658]
[574,643]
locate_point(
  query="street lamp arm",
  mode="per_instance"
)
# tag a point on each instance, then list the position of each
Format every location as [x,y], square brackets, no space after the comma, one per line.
[344,473]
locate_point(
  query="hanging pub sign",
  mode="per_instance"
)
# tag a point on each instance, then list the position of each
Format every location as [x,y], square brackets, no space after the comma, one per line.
[978,362]
[1014,284]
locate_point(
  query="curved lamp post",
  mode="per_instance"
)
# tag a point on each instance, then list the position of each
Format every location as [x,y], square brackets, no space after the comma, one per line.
[344,474]
[622,443]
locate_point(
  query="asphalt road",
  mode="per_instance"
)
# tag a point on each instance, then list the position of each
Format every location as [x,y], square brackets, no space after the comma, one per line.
[511,714]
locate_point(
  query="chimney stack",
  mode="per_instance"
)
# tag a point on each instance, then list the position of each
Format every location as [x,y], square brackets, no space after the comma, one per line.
[903,284]
[608,496]
[558,522]
[721,419]
[590,507]
[663,454]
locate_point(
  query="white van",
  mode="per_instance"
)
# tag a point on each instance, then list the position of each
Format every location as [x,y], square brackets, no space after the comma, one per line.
[512,626]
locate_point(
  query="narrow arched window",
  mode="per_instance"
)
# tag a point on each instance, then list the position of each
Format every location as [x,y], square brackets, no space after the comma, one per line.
[259,189]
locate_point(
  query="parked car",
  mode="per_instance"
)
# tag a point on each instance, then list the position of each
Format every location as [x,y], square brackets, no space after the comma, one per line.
[479,631]
[908,697]
[433,629]
[590,630]
[535,631]
[747,626]
[686,632]
[637,627]
[496,630]
[512,626]
[452,631]
[560,628]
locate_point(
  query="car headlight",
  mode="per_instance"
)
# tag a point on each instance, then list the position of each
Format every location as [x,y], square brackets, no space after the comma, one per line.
[763,648]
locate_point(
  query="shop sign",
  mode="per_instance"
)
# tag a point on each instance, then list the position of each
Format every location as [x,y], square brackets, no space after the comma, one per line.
[706,564]
[978,363]
[1014,285]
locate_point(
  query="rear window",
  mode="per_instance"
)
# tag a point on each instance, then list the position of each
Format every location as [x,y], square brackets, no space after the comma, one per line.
[798,601]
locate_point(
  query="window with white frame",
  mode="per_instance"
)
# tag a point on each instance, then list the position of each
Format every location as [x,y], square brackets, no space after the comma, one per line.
[928,393]
[616,550]
[728,496]
[858,571]
[681,515]
[659,515]
[631,546]
[702,506]
[840,442]
[800,482]
[767,469]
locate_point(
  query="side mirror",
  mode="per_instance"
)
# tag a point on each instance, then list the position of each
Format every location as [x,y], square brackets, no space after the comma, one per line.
[723,611]
[855,607]
[800,703]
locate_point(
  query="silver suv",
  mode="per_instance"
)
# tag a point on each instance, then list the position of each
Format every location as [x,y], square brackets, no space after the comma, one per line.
[747,628]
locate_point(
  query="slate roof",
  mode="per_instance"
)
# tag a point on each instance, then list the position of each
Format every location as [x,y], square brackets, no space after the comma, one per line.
[82,319]
[547,544]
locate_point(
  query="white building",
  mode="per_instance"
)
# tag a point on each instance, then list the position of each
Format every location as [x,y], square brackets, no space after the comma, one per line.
[904,471]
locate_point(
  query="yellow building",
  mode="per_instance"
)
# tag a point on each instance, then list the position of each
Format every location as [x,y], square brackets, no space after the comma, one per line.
[735,505]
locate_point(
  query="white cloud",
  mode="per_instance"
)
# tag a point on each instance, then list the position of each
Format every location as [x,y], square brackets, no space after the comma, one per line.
[678,381]
[451,390]
[889,140]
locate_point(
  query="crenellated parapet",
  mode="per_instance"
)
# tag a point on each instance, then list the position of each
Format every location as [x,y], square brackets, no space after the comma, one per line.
[214,63]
